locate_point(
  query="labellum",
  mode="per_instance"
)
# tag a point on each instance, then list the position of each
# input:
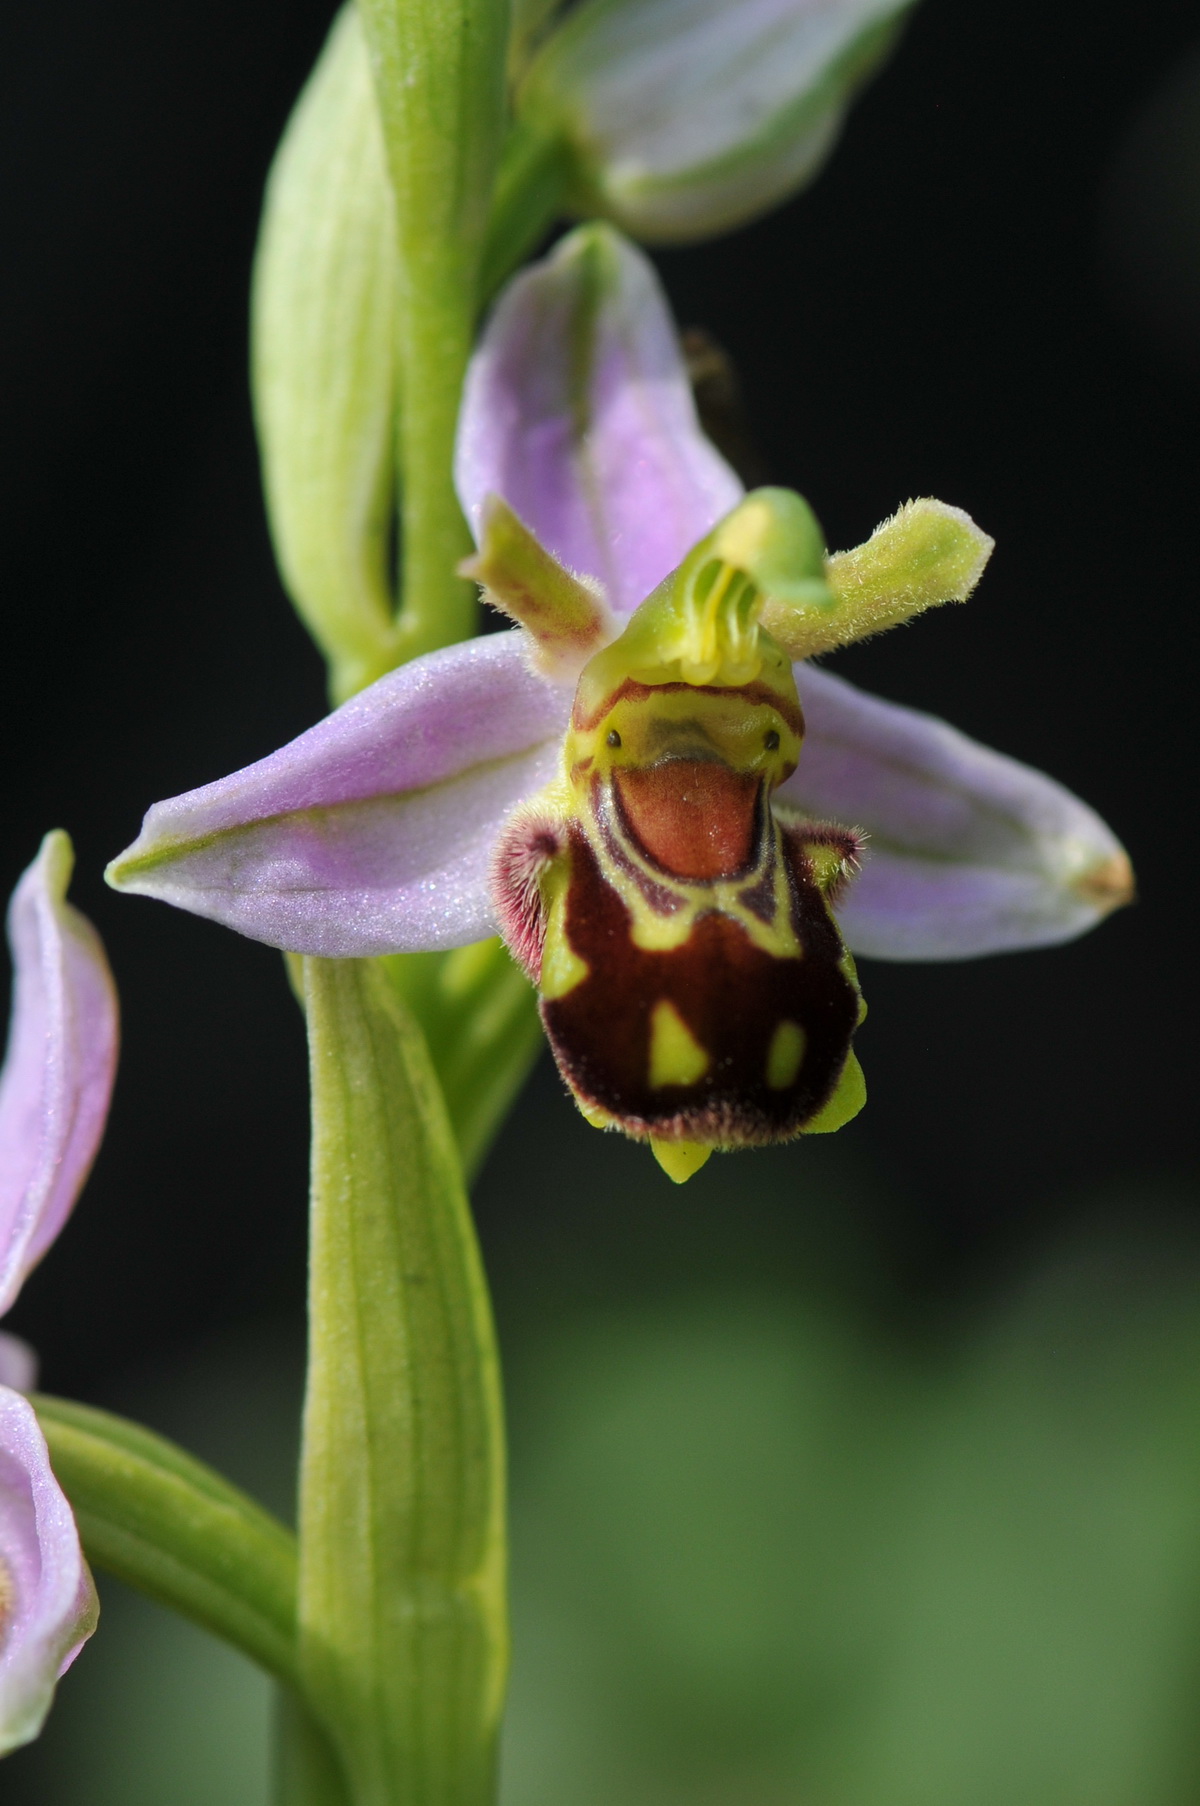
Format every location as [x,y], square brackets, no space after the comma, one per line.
[694,986]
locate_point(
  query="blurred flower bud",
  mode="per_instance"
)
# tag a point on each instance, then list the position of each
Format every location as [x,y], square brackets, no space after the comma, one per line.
[688,117]
[324,363]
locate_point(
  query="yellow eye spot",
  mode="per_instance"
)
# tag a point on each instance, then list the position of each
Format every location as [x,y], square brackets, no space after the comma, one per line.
[785,1056]
[676,1057]
[679,1159]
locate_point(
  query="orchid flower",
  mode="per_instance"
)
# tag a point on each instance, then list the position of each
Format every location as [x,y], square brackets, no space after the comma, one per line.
[54,1095]
[650,769]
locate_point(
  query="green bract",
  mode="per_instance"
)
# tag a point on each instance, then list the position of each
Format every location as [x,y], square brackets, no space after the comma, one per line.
[324,363]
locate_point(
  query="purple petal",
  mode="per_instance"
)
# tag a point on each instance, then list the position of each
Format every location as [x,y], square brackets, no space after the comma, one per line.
[18,1363]
[49,1604]
[372,832]
[58,1072]
[969,852]
[577,410]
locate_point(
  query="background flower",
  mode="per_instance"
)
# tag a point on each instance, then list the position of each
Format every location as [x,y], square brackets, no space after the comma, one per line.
[54,1095]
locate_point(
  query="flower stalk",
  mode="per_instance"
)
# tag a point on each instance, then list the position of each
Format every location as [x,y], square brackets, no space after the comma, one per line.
[439,78]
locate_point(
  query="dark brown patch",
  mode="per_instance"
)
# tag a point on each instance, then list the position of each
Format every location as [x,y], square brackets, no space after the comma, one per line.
[695,818]
[731,995]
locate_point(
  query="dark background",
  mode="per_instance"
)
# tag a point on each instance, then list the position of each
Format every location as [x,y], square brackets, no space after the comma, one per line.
[990,295]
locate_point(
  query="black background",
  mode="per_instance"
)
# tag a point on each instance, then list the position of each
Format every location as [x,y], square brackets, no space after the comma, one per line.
[985,297]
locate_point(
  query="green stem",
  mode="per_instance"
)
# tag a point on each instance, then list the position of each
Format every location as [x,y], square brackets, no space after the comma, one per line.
[176,1530]
[434,346]
[439,76]
[403,1632]
[478,1013]
[305,1771]
[530,192]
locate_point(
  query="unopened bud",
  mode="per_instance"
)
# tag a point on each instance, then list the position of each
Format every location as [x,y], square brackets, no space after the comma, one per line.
[688,117]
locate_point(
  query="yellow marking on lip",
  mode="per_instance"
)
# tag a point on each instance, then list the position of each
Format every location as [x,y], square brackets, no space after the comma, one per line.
[562,968]
[785,1056]
[846,1102]
[676,1057]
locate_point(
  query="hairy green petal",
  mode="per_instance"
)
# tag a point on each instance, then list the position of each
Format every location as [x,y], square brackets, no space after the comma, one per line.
[926,554]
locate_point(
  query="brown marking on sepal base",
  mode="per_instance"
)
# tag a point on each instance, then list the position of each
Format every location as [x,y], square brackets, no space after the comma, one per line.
[730,993]
[529,841]
[832,854]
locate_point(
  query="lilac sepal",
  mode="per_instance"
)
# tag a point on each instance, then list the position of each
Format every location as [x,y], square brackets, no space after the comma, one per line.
[577,410]
[58,1072]
[18,1363]
[371,833]
[969,852]
[48,1605]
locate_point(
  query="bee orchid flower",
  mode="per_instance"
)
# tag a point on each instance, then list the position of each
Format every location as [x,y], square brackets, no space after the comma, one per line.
[54,1095]
[683,828]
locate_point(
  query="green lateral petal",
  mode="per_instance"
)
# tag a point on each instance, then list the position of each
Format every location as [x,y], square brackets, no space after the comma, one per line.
[567,618]
[402,1568]
[926,554]
[324,363]
[173,1528]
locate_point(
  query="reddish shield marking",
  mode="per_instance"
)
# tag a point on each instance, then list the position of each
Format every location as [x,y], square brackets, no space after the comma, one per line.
[732,996]
[694,817]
